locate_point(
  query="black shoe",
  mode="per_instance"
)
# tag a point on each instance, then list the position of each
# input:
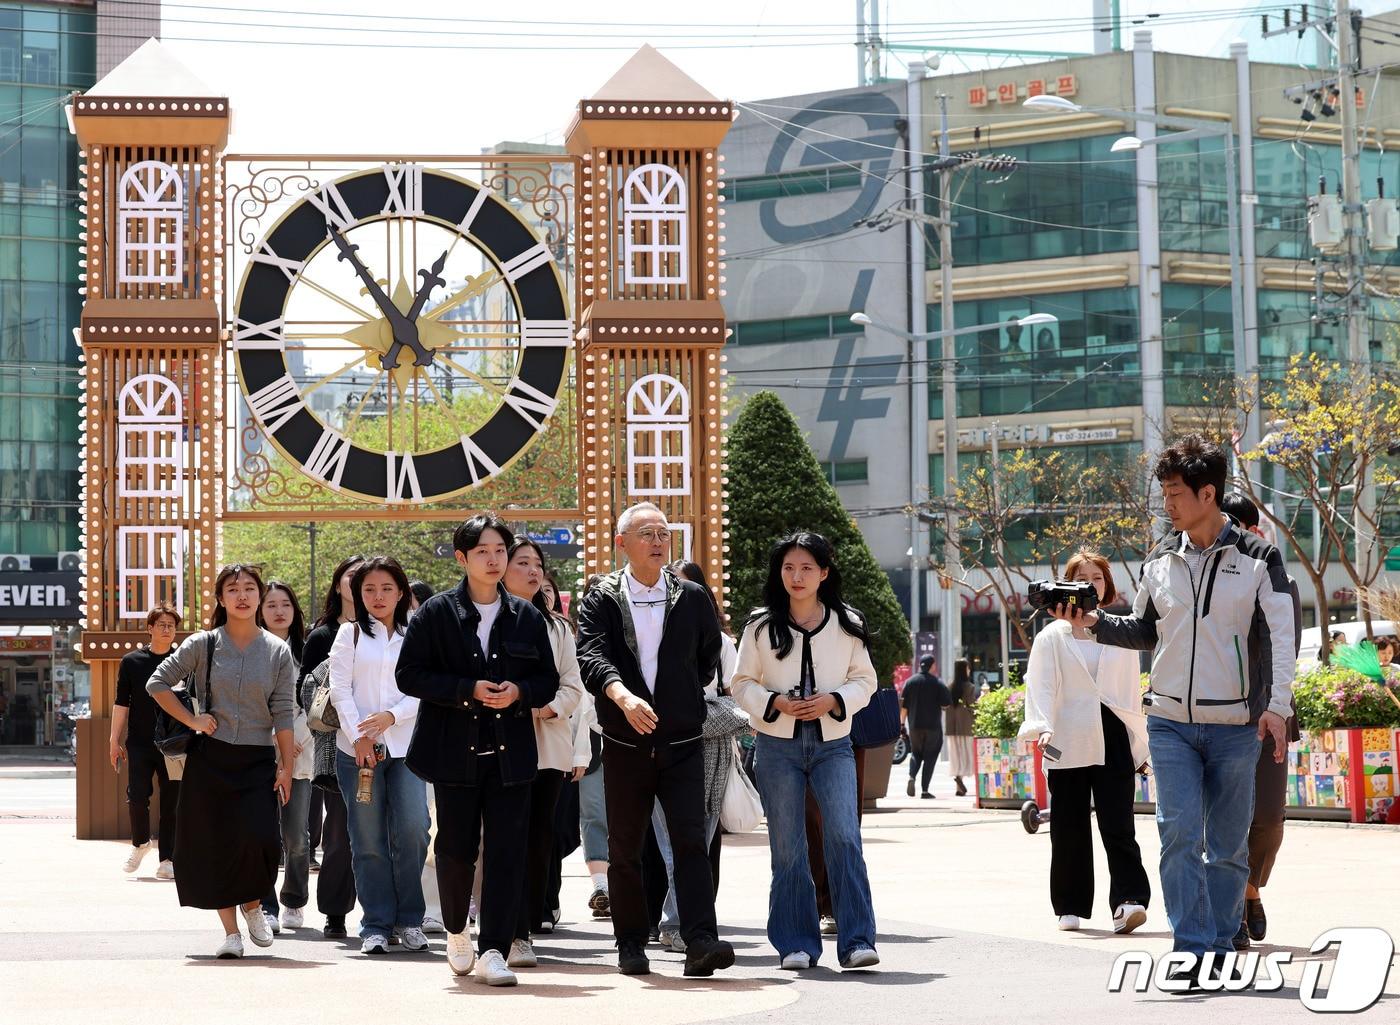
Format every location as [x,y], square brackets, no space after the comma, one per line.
[631,959]
[705,955]
[654,936]
[315,866]
[962,787]
[910,788]
[1242,937]
[335,927]
[1187,974]
[926,796]
[1255,918]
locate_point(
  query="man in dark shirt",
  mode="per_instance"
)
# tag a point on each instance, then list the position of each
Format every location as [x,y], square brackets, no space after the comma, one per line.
[921,710]
[133,728]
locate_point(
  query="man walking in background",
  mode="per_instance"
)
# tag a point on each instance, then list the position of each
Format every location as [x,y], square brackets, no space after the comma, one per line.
[921,710]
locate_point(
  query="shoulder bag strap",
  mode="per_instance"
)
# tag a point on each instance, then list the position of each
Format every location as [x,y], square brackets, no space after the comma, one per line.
[210,639]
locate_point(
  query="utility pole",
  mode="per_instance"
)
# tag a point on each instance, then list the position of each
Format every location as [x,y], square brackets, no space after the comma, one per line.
[918,362]
[950,641]
[1003,626]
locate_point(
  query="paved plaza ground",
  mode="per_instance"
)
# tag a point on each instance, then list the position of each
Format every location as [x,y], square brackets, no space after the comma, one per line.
[966,935]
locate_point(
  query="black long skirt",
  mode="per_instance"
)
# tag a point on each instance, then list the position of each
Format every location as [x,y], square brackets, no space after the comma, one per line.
[228,832]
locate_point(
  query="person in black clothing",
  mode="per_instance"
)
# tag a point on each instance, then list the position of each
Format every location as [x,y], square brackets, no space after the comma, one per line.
[335,883]
[480,661]
[133,722]
[648,645]
[921,707]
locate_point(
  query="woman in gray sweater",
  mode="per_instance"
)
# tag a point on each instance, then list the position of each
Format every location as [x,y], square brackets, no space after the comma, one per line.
[228,836]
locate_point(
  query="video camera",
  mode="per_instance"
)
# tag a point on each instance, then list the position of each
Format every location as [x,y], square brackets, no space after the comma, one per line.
[1046,594]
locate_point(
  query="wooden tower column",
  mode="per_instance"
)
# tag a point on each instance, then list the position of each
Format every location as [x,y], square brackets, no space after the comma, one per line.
[651,330]
[150,137]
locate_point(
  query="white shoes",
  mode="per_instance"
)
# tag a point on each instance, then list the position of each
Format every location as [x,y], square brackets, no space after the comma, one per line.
[1069,923]
[433,924]
[374,943]
[671,940]
[491,969]
[522,955]
[137,855]
[165,870]
[293,918]
[1128,916]
[273,922]
[461,955]
[258,930]
[412,939]
[828,925]
[861,957]
[231,948]
[797,961]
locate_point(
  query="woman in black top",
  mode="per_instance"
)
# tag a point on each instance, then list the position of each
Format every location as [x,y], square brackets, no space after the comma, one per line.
[133,721]
[335,885]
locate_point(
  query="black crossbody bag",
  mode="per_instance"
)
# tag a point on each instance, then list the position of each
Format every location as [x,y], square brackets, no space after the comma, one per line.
[172,737]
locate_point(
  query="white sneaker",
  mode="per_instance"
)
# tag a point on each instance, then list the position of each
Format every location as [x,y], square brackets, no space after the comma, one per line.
[522,955]
[231,947]
[491,969]
[671,940]
[137,855]
[375,943]
[165,870]
[258,930]
[1128,916]
[861,957]
[1069,923]
[797,961]
[293,918]
[828,925]
[433,924]
[273,922]
[412,939]
[461,955]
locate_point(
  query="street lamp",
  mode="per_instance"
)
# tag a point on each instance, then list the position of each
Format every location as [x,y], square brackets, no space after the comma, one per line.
[918,449]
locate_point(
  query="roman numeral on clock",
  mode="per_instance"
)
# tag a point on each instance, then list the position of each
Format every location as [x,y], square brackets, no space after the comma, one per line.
[328,458]
[523,263]
[534,406]
[401,484]
[291,268]
[479,464]
[405,189]
[548,333]
[333,208]
[247,335]
[276,403]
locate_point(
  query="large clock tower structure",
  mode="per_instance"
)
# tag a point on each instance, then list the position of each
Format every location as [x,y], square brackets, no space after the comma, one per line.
[651,327]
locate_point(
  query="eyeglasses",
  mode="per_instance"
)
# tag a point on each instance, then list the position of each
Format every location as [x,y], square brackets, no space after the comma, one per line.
[652,535]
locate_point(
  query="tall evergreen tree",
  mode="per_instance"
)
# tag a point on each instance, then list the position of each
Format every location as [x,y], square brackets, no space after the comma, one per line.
[776,488]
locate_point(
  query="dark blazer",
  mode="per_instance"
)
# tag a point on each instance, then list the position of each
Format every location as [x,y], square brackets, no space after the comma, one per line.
[441,662]
[687,660]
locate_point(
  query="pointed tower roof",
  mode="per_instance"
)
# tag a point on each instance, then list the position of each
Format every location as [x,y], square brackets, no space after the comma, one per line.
[151,71]
[649,75]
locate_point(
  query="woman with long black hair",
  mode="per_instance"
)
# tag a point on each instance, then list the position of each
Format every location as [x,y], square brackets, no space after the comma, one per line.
[335,885]
[227,836]
[957,727]
[804,671]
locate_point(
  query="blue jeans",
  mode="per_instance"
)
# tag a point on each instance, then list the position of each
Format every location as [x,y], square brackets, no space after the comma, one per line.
[1205,803]
[670,915]
[785,769]
[593,816]
[388,843]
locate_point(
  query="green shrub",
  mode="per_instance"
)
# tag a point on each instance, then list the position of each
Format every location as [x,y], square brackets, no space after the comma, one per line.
[1332,697]
[999,713]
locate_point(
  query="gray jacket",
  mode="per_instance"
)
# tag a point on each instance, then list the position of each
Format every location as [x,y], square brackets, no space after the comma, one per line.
[252,690]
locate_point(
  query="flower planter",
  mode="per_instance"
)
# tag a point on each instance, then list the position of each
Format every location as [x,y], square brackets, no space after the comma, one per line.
[1006,773]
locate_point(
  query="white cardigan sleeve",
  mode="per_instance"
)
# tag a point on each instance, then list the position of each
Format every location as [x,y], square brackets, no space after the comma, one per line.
[1042,685]
[342,677]
[861,679]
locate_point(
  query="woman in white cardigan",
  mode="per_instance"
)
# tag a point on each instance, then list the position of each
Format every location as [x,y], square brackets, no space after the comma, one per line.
[554,740]
[1084,711]
[389,832]
[804,671]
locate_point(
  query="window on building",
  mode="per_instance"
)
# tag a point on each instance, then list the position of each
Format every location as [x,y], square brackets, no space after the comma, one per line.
[654,222]
[847,471]
[817,327]
[1197,342]
[805,182]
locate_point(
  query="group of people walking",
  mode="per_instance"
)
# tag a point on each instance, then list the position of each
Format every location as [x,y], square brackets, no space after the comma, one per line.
[483,727]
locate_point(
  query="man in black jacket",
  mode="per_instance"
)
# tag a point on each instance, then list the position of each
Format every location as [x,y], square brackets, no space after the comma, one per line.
[648,643]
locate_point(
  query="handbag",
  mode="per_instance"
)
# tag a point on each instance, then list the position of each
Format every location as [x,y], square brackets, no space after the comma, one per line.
[877,724]
[723,718]
[171,737]
[741,811]
[321,715]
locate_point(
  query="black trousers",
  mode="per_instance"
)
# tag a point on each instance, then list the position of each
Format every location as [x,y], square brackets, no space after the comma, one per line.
[924,746]
[314,814]
[335,885]
[145,764]
[496,816]
[635,779]
[544,795]
[1112,787]
[1266,831]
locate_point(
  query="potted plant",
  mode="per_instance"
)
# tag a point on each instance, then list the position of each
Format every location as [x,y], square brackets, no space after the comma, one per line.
[1344,764]
[1005,766]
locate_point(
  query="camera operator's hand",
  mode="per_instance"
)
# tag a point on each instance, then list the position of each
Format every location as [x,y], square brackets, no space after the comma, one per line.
[1075,616]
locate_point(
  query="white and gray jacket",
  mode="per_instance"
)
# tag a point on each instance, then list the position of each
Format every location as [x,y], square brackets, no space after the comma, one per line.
[1198,627]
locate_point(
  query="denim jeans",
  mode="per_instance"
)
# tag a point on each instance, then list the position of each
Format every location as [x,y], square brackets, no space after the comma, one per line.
[1205,803]
[593,816]
[388,843]
[785,769]
[670,917]
[296,850]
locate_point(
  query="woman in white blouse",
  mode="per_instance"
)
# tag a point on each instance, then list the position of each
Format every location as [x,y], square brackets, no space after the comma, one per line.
[1084,711]
[389,832]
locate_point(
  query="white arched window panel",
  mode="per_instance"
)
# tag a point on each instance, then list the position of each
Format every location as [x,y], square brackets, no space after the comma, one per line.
[658,437]
[654,213]
[681,547]
[150,569]
[150,422]
[150,224]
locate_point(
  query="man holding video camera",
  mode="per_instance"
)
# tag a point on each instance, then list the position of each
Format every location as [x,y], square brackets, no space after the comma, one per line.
[1201,590]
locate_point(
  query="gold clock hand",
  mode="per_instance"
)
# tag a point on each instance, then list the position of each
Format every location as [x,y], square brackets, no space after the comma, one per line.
[474,287]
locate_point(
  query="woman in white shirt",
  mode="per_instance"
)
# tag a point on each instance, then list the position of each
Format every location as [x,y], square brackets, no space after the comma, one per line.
[389,832]
[1084,711]
[554,742]
[804,672]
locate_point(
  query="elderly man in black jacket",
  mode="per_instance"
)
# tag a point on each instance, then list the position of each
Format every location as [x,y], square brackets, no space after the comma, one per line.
[648,643]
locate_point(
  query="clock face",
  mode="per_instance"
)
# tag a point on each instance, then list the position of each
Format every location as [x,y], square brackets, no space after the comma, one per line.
[401,334]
